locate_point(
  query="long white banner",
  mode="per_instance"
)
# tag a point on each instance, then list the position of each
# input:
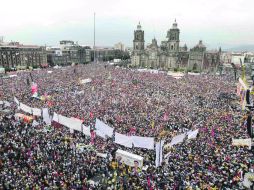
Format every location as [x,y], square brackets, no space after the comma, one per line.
[192,134]
[16,101]
[177,139]
[159,153]
[102,129]
[36,111]
[123,140]
[242,142]
[86,131]
[143,142]
[45,114]
[55,117]
[25,108]
[70,122]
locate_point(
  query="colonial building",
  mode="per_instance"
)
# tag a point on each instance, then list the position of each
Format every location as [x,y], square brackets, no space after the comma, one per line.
[200,59]
[169,54]
[15,55]
[108,54]
[68,53]
[226,58]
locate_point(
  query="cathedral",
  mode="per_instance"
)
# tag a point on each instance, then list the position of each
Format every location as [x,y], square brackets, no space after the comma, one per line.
[170,55]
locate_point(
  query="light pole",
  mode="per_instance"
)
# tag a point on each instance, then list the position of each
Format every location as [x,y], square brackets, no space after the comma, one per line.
[94,39]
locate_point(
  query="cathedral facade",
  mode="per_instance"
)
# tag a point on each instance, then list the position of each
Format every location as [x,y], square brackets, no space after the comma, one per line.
[169,54]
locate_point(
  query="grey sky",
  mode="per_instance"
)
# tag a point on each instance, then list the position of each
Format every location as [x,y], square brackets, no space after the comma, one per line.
[216,22]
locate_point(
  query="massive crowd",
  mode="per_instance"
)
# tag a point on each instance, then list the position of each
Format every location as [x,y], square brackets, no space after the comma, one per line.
[140,103]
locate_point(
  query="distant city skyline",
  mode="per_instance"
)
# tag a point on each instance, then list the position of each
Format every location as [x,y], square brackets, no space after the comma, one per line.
[224,23]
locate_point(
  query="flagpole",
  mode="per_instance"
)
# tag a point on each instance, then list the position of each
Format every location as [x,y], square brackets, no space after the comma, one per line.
[160,154]
[94,39]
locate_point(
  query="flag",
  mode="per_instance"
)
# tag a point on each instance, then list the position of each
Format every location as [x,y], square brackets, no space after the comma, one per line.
[238,176]
[238,90]
[152,124]
[109,77]
[34,89]
[212,132]
[165,118]
[243,100]
[91,115]
[49,103]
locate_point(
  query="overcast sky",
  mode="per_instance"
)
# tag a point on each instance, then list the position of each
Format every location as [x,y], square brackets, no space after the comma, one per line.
[216,22]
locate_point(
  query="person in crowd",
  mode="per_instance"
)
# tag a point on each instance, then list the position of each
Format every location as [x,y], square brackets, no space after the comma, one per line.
[38,156]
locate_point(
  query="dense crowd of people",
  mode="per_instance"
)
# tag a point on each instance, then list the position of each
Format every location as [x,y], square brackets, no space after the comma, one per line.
[139,103]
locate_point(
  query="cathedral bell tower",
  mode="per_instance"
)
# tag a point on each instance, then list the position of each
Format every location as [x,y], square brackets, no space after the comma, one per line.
[138,42]
[173,38]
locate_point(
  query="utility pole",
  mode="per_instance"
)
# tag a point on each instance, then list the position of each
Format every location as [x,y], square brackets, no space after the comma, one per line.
[94,39]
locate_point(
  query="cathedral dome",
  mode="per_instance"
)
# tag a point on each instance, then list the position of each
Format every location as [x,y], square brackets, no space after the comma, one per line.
[200,44]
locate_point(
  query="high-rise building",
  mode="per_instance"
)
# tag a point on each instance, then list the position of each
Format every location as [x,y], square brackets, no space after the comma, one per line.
[119,46]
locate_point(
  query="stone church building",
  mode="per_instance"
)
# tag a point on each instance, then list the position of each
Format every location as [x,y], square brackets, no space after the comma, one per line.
[170,55]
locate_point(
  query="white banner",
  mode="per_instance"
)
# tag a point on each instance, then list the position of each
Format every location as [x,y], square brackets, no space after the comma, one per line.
[5,103]
[101,155]
[248,179]
[86,130]
[71,123]
[143,142]
[129,158]
[123,140]
[102,129]
[76,124]
[192,134]
[25,108]
[63,120]
[45,114]
[71,130]
[36,111]
[243,84]
[177,139]
[55,117]
[84,81]
[35,123]
[159,152]
[16,100]
[242,142]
